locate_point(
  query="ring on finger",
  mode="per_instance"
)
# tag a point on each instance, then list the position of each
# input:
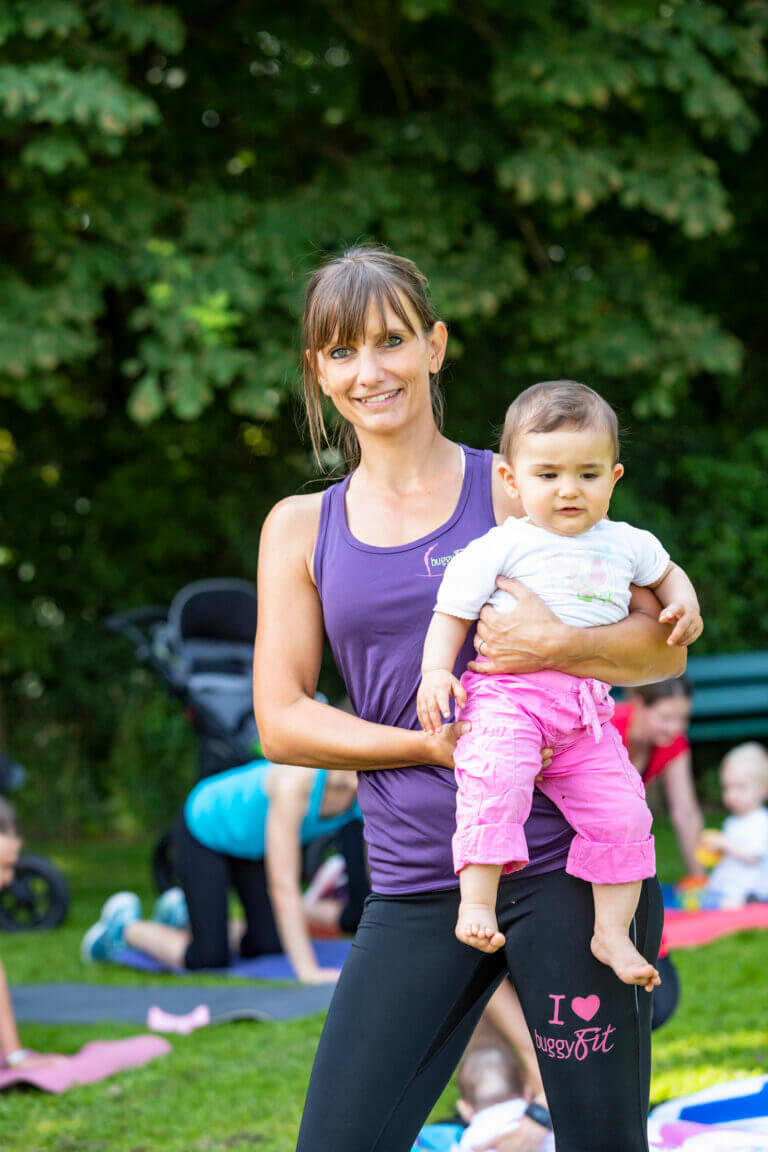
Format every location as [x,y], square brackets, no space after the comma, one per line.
[480,645]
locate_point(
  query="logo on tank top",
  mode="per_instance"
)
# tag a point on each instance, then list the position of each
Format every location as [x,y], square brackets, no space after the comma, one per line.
[436,565]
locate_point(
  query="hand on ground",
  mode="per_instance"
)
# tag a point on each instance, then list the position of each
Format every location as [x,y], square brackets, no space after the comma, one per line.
[322,976]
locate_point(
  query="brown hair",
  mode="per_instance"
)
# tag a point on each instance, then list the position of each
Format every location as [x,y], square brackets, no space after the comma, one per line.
[553,404]
[650,694]
[337,300]
[489,1075]
[7,819]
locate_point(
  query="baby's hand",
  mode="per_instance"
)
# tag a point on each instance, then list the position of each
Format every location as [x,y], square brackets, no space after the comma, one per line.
[689,624]
[713,840]
[433,699]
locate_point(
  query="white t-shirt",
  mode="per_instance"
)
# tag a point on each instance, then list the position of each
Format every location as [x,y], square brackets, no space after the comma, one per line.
[734,879]
[584,579]
[497,1121]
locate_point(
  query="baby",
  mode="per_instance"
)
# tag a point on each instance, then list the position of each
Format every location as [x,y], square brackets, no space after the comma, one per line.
[491,1099]
[560,449]
[742,874]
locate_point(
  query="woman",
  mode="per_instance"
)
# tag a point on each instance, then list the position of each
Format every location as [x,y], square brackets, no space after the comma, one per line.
[245,829]
[12,1055]
[653,723]
[361,562]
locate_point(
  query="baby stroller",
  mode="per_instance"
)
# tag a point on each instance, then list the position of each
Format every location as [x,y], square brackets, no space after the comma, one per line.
[38,896]
[202,648]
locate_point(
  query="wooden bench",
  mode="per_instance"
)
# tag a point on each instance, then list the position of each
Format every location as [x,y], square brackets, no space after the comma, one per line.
[730,696]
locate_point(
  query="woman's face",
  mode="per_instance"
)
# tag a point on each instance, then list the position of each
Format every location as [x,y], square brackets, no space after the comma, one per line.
[665,720]
[380,381]
[10,846]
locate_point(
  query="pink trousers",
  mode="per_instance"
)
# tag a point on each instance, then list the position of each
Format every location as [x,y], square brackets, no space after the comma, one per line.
[590,779]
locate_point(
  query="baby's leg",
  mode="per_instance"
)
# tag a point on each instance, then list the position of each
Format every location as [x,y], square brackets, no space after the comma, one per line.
[615,906]
[496,763]
[476,925]
[601,795]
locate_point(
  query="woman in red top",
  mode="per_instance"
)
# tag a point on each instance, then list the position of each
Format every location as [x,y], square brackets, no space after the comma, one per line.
[653,723]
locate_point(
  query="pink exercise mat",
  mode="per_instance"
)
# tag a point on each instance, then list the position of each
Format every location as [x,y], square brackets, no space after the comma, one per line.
[689,929]
[95,1061]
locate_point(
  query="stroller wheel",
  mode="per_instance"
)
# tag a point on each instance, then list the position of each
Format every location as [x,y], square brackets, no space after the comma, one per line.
[164,863]
[38,897]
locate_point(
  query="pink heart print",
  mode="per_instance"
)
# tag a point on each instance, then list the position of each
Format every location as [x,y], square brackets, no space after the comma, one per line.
[585,1007]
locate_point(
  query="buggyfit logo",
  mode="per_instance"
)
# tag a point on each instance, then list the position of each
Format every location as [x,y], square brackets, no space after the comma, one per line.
[436,565]
[583,1041]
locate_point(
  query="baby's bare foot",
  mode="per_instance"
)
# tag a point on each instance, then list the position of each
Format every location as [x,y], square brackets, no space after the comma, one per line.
[477,927]
[620,954]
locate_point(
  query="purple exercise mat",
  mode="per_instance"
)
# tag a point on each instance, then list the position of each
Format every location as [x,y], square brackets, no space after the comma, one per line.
[329,953]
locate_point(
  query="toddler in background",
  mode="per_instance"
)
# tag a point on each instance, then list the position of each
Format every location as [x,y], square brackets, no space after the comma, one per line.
[560,449]
[742,873]
[491,1101]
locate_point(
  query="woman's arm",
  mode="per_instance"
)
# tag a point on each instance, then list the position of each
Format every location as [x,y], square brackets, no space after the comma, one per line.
[294,728]
[9,1035]
[684,811]
[289,788]
[530,637]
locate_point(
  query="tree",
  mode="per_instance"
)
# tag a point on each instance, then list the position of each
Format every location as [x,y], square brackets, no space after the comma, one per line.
[572,177]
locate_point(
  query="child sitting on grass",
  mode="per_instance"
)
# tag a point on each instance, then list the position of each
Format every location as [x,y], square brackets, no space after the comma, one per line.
[741,876]
[13,1055]
[491,1102]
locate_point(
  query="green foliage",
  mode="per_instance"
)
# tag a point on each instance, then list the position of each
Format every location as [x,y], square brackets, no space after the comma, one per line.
[580,182]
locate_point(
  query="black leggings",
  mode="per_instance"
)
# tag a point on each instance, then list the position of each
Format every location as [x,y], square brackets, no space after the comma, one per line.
[206,877]
[410,995]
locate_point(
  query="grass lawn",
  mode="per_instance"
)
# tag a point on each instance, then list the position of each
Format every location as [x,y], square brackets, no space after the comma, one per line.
[240,1087]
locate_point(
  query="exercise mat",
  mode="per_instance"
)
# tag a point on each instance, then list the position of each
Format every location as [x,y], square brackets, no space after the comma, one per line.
[690,929]
[94,1062]
[329,953]
[94,1003]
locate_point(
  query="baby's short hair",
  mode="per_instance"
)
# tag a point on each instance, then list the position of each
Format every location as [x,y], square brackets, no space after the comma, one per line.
[489,1075]
[755,753]
[554,404]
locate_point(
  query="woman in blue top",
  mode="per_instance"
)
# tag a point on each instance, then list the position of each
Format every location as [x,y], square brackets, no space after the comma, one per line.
[245,829]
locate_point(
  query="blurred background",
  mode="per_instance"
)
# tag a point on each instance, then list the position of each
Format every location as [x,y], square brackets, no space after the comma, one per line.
[584,183]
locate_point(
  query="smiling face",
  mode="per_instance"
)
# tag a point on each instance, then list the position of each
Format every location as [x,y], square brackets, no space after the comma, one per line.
[564,478]
[379,380]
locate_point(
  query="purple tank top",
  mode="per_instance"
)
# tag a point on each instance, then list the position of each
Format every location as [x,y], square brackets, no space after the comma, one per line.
[377,605]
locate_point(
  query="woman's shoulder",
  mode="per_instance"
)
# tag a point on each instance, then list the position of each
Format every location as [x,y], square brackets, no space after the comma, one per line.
[293,521]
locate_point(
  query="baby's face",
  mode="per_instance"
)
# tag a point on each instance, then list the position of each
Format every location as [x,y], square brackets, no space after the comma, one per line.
[744,786]
[564,478]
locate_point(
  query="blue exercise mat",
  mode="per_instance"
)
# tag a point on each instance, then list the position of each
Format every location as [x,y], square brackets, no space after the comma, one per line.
[329,953]
[728,1111]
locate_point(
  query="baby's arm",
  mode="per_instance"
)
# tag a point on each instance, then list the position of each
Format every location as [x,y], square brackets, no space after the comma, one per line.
[681,606]
[719,842]
[445,636]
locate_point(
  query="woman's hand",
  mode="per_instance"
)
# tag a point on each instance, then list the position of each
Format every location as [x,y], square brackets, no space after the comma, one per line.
[320,976]
[521,640]
[439,749]
[528,1137]
[39,1060]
